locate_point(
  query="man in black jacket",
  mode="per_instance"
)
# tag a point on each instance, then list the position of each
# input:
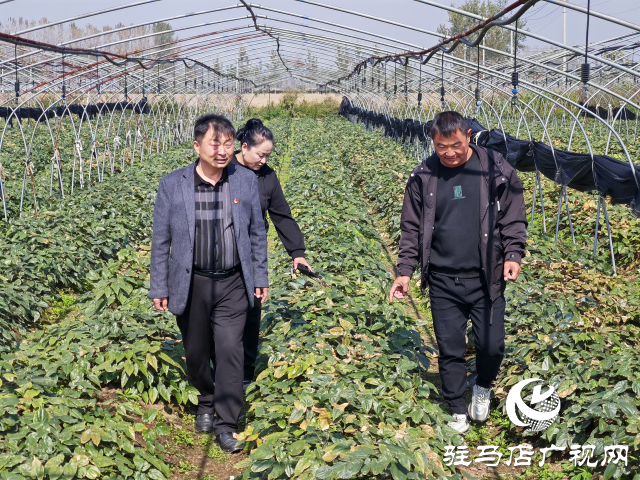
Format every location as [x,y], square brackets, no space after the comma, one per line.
[464,217]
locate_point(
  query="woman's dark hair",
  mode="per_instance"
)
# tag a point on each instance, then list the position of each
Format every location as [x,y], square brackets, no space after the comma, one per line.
[254,133]
[447,123]
[221,127]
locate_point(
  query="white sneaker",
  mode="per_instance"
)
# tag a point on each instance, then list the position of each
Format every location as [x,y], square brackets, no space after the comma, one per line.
[460,423]
[479,406]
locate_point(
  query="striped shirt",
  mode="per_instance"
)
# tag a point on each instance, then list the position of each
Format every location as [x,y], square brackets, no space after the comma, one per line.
[215,244]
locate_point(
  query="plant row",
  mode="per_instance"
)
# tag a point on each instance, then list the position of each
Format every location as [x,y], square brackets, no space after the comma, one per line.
[569,321]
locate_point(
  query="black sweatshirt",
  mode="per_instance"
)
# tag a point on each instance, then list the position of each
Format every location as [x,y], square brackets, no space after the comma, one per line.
[272,200]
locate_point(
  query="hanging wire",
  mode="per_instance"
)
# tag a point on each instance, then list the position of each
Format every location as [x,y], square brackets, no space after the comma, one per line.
[406,67]
[420,86]
[442,90]
[477,91]
[126,93]
[17,84]
[585,68]
[97,79]
[514,74]
[64,86]
[385,77]
[395,77]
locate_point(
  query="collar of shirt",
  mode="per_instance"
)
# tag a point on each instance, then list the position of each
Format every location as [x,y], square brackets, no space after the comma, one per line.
[198,180]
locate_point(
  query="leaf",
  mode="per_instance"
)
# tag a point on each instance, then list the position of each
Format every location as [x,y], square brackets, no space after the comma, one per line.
[610,470]
[86,436]
[348,469]
[324,472]
[155,474]
[163,356]
[324,422]
[303,464]
[262,465]
[153,361]
[42,416]
[567,391]
[128,367]
[53,467]
[37,470]
[101,461]
[69,470]
[149,415]
[96,436]
[398,472]
[92,472]
[153,394]
[610,409]
[627,407]
[263,452]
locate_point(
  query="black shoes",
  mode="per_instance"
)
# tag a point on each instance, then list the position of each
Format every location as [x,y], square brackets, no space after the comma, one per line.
[228,443]
[204,422]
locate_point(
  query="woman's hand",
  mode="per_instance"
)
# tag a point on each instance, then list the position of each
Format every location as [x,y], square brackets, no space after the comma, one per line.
[301,261]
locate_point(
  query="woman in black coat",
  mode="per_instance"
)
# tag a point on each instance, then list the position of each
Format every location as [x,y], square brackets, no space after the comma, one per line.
[256,142]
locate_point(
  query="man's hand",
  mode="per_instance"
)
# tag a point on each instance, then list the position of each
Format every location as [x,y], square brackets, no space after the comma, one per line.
[301,261]
[511,270]
[160,303]
[261,293]
[399,289]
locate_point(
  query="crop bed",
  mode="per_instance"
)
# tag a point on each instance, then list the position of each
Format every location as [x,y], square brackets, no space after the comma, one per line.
[92,379]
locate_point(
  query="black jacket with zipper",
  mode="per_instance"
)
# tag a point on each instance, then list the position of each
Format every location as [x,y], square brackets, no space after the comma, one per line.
[503,218]
[272,200]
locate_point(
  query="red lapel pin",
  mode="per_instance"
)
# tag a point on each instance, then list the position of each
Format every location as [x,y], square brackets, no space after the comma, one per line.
[235,200]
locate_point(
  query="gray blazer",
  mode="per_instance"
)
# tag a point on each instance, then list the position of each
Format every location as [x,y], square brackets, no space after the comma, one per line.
[174,225]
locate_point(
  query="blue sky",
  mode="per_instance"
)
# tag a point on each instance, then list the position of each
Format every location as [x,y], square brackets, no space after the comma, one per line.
[544,19]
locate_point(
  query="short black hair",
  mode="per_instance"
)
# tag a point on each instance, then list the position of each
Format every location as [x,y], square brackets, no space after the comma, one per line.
[446,124]
[254,133]
[221,127]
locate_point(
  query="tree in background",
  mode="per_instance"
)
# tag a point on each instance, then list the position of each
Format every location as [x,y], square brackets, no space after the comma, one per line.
[496,38]
[164,38]
[63,33]
[243,62]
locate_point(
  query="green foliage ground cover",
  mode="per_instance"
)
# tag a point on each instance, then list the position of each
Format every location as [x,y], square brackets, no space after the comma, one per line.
[54,250]
[55,420]
[341,390]
[569,320]
[40,144]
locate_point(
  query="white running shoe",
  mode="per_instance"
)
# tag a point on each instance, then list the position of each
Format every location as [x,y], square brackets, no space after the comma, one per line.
[479,406]
[460,423]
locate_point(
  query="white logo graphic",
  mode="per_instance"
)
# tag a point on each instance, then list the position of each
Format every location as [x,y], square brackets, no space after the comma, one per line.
[537,419]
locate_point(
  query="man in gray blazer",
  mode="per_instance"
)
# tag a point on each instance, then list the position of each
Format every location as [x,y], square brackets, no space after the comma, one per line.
[208,265]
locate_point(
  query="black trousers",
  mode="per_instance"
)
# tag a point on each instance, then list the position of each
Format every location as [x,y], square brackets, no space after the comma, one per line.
[215,316]
[251,338]
[453,302]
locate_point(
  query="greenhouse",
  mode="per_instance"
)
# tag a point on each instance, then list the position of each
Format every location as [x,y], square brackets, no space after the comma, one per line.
[97,105]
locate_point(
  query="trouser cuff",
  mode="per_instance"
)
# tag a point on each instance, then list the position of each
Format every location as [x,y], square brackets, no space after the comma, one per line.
[458,406]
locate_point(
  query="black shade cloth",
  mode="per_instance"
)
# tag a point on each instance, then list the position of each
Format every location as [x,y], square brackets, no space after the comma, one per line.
[608,176]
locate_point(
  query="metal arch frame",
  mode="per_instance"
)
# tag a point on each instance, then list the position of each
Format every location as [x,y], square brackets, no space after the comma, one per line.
[167,106]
